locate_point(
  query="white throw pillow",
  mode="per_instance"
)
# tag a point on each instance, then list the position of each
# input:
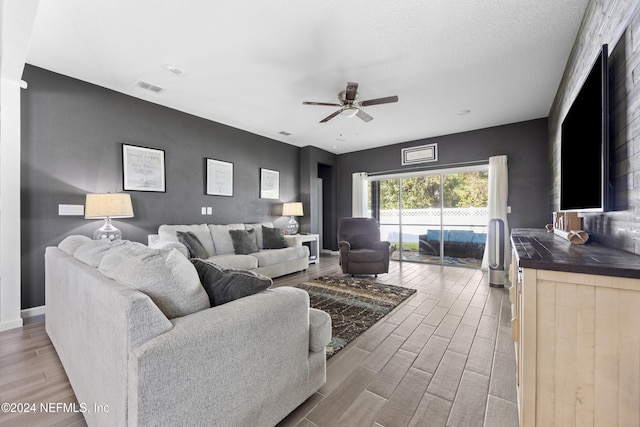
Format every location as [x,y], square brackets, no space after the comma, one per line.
[167,277]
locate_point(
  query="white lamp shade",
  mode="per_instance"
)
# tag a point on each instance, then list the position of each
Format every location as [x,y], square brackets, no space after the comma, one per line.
[112,205]
[292,209]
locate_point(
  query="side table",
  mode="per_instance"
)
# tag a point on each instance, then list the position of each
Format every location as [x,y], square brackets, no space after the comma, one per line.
[313,259]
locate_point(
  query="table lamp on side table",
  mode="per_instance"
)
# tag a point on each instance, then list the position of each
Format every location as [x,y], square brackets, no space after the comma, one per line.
[107,206]
[292,209]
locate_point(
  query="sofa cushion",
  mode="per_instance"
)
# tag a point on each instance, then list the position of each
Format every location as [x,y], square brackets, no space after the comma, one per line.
[70,243]
[166,245]
[366,255]
[193,244]
[224,285]
[463,236]
[169,232]
[245,262]
[167,277]
[118,255]
[258,228]
[276,256]
[244,241]
[222,239]
[91,252]
[273,238]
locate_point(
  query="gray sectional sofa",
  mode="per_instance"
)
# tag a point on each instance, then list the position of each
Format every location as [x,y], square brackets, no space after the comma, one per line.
[135,332]
[219,245]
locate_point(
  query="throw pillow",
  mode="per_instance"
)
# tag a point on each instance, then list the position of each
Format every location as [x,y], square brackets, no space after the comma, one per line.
[273,238]
[244,241]
[167,277]
[224,285]
[193,244]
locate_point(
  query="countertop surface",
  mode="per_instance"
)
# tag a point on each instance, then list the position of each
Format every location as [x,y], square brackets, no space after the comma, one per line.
[539,249]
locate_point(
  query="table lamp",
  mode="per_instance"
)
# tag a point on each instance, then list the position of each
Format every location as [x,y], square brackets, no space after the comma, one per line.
[292,209]
[107,206]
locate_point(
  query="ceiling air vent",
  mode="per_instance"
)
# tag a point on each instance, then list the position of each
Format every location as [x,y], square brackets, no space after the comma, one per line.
[149,86]
[284,133]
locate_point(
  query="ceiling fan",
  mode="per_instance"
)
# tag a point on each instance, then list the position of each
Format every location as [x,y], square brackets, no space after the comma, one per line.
[349,106]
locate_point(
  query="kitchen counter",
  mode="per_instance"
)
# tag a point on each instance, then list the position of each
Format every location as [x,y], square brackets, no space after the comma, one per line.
[539,249]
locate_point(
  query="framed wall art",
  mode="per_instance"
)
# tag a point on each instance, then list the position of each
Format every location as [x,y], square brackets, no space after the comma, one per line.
[219,178]
[143,169]
[269,184]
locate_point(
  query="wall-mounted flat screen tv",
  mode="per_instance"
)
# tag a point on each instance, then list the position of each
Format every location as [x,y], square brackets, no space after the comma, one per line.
[584,144]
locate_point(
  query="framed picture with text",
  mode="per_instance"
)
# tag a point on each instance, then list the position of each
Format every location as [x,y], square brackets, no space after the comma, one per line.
[269,184]
[219,178]
[143,169]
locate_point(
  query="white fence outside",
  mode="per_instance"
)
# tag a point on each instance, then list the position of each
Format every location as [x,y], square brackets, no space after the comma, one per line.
[418,221]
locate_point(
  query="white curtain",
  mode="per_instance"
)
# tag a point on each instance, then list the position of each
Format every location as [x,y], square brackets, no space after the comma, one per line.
[359,195]
[498,193]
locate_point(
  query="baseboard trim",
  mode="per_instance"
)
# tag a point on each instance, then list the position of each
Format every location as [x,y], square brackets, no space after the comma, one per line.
[5,326]
[31,312]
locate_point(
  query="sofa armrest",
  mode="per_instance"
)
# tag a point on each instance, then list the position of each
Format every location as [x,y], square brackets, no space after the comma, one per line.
[255,346]
[319,330]
[151,238]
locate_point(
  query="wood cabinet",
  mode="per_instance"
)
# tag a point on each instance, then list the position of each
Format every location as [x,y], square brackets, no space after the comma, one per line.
[577,338]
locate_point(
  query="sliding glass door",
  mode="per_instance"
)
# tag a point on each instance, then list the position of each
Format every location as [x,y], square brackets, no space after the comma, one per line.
[439,217]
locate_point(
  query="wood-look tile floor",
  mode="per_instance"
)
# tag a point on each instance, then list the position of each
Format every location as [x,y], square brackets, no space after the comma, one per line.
[443,357]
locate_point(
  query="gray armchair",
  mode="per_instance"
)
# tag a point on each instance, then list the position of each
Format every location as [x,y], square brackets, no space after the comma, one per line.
[361,250]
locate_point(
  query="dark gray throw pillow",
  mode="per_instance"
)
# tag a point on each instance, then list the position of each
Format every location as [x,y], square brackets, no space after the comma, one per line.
[193,244]
[244,241]
[224,285]
[273,238]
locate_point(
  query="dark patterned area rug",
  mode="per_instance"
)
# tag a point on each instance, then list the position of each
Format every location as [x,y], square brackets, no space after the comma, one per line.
[354,304]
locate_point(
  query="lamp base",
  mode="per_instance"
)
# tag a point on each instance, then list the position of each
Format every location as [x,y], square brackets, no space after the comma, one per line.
[107,231]
[292,226]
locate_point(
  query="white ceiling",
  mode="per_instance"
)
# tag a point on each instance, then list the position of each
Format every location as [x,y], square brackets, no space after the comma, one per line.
[251,64]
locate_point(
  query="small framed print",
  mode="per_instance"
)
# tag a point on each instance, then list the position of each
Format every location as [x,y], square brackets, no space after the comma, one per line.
[269,184]
[143,169]
[219,178]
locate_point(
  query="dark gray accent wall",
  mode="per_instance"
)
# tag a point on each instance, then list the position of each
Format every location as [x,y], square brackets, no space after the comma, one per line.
[615,24]
[72,133]
[524,143]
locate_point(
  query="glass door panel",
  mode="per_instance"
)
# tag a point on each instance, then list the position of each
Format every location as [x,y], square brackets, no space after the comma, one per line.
[420,212]
[464,218]
[388,198]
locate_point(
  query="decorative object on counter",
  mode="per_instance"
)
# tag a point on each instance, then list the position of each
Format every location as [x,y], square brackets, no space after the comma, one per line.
[568,225]
[578,237]
[292,209]
[107,206]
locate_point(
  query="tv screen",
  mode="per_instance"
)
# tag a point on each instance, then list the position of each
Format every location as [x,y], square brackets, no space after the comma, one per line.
[584,149]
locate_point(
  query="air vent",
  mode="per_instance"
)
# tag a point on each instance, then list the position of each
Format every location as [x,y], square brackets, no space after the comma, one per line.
[284,133]
[149,86]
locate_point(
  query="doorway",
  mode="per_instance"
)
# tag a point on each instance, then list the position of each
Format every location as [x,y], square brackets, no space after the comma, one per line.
[436,217]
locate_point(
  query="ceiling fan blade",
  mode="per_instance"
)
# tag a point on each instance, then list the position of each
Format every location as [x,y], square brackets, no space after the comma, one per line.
[352,90]
[329,104]
[329,117]
[377,101]
[364,116]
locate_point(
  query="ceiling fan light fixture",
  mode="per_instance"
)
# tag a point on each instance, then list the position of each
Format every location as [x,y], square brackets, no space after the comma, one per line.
[349,111]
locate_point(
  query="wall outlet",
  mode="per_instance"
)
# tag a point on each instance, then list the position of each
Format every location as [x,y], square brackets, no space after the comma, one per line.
[508,209]
[203,210]
[209,210]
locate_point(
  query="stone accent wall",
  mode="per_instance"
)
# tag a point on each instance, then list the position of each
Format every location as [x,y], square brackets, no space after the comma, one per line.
[616,23]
